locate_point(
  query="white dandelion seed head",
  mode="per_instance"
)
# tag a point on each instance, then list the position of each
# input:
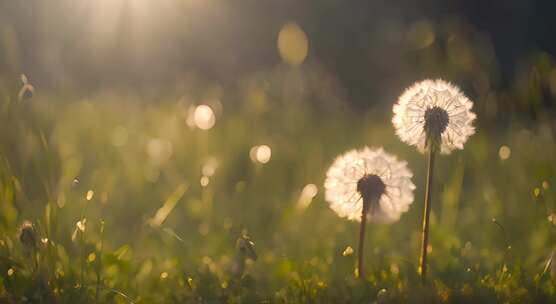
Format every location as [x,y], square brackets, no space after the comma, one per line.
[341,185]
[441,104]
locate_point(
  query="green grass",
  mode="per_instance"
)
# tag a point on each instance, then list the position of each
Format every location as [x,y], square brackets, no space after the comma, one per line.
[138,156]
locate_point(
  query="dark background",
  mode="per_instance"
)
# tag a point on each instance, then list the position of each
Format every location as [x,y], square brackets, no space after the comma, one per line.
[362,44]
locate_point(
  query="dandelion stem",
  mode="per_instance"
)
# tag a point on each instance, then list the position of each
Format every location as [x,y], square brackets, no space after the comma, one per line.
[360,255]
[431,151]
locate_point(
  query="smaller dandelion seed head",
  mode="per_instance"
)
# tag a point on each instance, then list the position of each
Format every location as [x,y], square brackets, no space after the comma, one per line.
[27,235]
[369,180]
[371,187]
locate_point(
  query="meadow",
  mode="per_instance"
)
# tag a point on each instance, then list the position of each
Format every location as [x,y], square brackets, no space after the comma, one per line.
[177,151]
[187,200]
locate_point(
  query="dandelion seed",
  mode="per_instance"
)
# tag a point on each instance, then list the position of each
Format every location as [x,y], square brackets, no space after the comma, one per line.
[369,185]
[437,111]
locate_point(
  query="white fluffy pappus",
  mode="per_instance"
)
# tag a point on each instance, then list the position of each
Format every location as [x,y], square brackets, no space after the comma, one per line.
[342,179]
[426,97]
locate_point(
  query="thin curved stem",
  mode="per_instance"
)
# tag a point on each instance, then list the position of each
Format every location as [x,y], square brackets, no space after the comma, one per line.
[426,214]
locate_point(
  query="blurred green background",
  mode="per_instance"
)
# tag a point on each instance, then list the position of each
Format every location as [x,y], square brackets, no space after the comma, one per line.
[185,124]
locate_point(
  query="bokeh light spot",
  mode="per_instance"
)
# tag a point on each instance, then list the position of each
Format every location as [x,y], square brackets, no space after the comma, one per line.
[260,154]
[159,150]
[204,181]
[421,34]
[204,117]
[504,152]
[307,195]
[348,251]
[90,195]
[293,44]
[209,168]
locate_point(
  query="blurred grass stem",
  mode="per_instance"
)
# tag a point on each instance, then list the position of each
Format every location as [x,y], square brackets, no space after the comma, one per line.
[99,263]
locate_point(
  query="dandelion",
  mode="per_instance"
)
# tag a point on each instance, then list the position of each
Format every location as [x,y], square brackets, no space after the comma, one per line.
[368,184]
[435,116]
[434,113]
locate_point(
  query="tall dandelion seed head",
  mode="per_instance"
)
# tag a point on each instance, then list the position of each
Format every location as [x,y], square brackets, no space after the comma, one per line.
[369,175]
[434,112]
